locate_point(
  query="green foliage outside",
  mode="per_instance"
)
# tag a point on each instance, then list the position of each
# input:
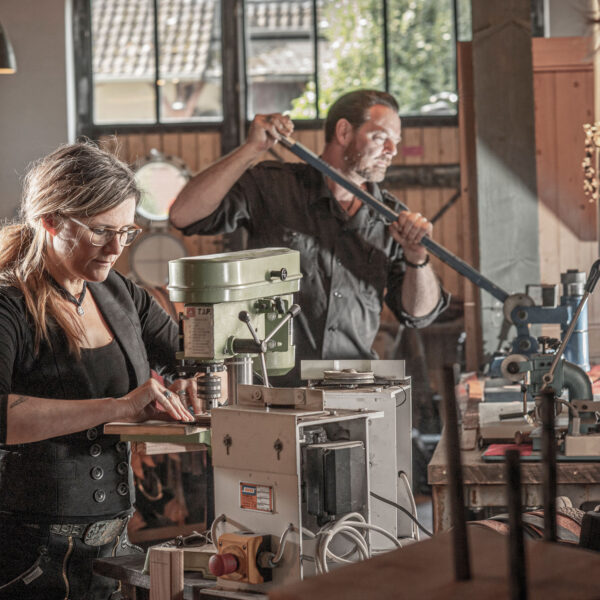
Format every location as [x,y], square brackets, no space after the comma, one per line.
[420,46]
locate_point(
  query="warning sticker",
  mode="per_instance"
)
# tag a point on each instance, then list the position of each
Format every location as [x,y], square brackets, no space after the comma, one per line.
[256,497]
[198,331]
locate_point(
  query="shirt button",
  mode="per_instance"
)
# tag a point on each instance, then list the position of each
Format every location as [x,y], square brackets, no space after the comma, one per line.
[97,473]
[95,450]
[338,260]
[92,434]
[122,489]
[99,495]
[122,468]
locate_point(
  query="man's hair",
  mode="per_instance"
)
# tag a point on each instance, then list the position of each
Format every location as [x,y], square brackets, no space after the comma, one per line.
[353,107]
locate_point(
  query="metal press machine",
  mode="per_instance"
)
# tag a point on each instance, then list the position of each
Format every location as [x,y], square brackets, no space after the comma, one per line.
[293,467]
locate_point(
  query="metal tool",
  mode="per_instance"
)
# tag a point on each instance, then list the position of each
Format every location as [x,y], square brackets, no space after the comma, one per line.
[519,309]
[436,249]
[226,296]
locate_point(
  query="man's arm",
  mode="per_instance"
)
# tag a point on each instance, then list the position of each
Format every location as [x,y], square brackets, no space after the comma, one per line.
[203,194]
[420,286]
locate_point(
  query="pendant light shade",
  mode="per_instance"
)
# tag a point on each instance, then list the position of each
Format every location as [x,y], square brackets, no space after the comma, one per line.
[8,64]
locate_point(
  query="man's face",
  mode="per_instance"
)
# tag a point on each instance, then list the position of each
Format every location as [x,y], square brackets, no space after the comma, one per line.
[374,144]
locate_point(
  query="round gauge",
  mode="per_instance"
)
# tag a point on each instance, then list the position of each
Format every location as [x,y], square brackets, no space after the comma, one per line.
[160,178]
[149,257]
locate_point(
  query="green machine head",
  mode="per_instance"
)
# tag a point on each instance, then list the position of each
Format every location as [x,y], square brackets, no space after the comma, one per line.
[237,305]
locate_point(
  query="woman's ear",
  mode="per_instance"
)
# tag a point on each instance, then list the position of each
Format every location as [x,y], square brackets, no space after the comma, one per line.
[51,224]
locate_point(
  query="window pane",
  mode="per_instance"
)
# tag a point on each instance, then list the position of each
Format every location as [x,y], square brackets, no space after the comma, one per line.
[123,61]
[280,57]
[351,51]
[190,60]
[421,56]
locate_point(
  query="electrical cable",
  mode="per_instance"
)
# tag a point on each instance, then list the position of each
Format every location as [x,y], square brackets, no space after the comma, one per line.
[413,504]
[349,527]
[402,509]
[213,528]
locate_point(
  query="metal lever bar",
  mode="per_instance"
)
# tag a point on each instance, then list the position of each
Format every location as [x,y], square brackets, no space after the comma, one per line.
[590,284]
[244,316]
[293,311]
[436,249]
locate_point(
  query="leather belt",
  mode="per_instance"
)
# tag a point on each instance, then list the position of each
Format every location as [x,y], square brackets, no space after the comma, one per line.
[92,534]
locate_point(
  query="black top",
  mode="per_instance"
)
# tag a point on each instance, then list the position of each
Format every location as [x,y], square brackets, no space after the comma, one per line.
[84,476]
[347,263]
[108,370]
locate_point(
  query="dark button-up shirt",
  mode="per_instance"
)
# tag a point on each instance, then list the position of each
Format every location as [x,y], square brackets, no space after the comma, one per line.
[347,263]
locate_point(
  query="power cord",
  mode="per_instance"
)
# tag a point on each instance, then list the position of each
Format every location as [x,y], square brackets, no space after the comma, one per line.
[402,509]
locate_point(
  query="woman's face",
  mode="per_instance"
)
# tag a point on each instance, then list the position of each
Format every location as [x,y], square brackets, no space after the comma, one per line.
[72,253]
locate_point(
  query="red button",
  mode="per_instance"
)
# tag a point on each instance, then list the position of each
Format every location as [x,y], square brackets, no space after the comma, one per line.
[222,564]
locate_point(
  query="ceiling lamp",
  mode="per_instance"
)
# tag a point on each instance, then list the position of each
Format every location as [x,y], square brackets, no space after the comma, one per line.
[8,64]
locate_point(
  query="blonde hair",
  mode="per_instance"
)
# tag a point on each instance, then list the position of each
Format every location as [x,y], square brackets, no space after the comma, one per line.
[76,180]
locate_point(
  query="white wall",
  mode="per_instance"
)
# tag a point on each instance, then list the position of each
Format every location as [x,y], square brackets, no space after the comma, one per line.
[33,102]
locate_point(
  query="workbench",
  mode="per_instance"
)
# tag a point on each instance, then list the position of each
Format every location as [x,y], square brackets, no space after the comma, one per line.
[485,483]
[135,585]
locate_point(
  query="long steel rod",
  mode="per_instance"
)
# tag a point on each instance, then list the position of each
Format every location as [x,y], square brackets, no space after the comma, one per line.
[548,464]
[436,249]
[516,546]
[462,566]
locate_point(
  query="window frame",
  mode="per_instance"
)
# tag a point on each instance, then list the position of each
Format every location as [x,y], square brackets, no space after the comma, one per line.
[234,86]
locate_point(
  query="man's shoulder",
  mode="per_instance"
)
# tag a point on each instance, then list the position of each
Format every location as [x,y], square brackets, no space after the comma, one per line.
[288,168]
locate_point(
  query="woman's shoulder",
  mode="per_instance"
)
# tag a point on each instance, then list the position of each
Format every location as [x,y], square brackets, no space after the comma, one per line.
[12,304]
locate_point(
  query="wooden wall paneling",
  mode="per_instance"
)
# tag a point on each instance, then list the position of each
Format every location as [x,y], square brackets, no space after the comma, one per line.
[449,146]
[189,151]
[564,88]
[171,144]
[209,149]
[547,170]
[430,137]
[136,147]
[411,148]
[152,141]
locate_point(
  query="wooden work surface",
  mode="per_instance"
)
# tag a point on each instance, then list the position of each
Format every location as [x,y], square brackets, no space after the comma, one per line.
[424,571]
[135,583]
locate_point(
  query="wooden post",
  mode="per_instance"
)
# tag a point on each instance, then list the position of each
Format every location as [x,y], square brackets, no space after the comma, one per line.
[166,574]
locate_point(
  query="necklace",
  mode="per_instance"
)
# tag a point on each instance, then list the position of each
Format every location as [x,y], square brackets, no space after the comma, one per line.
[68,296]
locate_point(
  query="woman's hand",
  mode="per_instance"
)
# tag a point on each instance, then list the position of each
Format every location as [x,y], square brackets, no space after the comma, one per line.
[187,390]
[153,400]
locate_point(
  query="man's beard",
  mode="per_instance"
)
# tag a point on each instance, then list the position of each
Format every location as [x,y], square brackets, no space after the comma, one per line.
[370,173]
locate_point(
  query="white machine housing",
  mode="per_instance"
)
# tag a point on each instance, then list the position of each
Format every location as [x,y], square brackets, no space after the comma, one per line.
[258,446]
[390,438]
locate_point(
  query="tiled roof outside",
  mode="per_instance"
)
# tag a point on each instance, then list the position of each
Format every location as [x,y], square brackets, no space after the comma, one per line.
[123,38]
[279,16]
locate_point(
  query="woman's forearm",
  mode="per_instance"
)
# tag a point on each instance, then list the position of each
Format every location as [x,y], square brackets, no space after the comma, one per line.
[31,419]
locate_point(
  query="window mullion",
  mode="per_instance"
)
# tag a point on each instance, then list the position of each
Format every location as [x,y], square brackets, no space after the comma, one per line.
[156,64]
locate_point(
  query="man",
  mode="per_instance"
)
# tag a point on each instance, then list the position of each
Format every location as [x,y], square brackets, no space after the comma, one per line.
[349,255]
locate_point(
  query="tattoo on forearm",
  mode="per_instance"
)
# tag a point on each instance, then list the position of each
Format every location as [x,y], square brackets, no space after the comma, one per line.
[18,401]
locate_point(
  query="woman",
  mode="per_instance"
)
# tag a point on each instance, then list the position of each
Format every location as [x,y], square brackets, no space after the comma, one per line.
[77,344]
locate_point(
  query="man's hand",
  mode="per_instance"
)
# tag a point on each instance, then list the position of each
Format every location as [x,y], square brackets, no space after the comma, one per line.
[408,231]
[265,130]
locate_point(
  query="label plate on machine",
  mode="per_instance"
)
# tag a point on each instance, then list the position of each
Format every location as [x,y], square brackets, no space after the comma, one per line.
[198,331]
[256,497]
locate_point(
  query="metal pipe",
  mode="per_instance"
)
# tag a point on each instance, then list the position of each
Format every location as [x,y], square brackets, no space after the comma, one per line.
[436,249]
[239,370]
[549,465]
[462,568]
[516,546]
